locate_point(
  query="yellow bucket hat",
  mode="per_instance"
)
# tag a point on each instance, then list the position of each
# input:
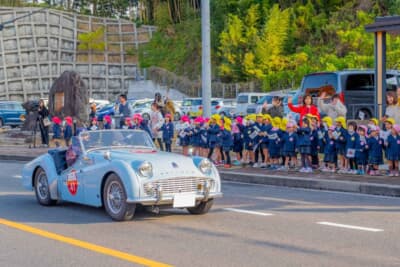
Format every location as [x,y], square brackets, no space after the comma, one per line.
[375,121]
[276,122]
[391,121]
[342,121]
[284,121]
[327,120]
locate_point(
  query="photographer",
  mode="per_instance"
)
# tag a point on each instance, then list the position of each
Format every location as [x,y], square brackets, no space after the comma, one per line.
[44,123]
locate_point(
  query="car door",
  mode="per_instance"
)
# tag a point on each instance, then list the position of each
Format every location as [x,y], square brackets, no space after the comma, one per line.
[7,114]
[15,114]
[72,179]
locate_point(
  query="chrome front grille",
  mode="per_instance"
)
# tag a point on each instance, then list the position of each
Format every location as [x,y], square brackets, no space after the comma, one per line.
[176,185]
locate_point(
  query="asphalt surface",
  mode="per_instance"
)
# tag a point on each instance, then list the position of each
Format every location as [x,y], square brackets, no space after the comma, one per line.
[253,225]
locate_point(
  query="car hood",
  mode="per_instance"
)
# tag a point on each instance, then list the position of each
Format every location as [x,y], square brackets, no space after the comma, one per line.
[164,164]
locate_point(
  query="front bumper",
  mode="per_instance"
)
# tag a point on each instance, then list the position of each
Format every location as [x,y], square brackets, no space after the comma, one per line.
[169,199]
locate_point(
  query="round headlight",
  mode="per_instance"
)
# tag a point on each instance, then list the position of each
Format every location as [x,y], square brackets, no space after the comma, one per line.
[205,166]
[146,169]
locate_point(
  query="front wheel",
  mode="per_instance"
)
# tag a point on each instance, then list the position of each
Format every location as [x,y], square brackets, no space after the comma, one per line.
[114,199]
[202,208]
[42,190]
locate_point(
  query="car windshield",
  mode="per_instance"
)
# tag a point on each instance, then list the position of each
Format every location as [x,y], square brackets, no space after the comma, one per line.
[191,102]
[267,98]
[105,139]
[316,83]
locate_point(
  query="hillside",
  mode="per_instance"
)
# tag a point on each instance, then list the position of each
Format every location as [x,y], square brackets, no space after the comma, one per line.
[272,42]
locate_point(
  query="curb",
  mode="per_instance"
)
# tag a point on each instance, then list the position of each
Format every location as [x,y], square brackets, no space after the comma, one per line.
[308,183]
[16,158]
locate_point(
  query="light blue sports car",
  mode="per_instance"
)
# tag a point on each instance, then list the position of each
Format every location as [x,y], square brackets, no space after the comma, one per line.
[120,169]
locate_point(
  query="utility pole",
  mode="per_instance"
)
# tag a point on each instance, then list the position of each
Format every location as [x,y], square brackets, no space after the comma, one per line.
[206,58]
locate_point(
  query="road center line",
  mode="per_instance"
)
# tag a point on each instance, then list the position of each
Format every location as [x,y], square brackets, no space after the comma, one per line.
[354,227]
[17,176]
[249,212]
[82,244]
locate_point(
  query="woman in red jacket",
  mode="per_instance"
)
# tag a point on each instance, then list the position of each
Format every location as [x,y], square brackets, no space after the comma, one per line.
[306,108]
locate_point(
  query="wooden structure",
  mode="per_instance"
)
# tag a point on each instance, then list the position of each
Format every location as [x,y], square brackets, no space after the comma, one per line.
[382,26]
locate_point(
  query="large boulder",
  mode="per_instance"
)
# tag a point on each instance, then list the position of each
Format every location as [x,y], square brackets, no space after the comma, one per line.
[68,96]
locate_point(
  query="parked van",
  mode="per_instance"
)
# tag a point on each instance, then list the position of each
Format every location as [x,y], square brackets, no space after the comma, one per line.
[243,100]
[356,89]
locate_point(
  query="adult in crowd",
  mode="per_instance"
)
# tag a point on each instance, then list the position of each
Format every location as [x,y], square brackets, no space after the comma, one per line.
[398,96]
[124,109]
[274,110]
[44,123]
[333,109]
[392,107]
[307,107]
[160,102]
[156,123]
[93,110]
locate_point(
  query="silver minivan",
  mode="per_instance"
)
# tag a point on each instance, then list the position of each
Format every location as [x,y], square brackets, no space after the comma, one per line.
[244,100]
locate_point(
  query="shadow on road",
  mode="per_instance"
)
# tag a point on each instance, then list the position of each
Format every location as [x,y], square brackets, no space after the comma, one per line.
[25,209]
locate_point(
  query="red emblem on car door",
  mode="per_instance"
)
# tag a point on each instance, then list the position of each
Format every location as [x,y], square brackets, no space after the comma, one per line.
[72,182]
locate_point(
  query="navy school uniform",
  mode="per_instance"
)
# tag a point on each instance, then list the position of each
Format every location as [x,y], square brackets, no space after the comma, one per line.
[351,141]
[203,138]
[330,149]
[56,131]
[289,142]
[68,132]
[393,148]
[144,125]
[304,142]
[167,132]
[375,148]
[247,140]
[322,134]
[107,126]
[226,140]
[238,139]
[195,138]
[361,147]
[341,140]
[258,140]
[213,139]
[264,140]
[185,135]
[274,142]
[314,142]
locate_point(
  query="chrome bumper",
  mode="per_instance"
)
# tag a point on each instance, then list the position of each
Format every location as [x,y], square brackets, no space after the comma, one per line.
[169,199]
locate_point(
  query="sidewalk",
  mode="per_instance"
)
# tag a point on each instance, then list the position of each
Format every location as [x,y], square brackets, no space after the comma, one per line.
[375,185]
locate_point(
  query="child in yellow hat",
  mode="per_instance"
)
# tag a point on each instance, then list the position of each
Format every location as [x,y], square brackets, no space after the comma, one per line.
[340,137]
[226,141]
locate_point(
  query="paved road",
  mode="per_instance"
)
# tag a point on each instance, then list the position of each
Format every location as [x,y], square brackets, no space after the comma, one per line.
[251,226]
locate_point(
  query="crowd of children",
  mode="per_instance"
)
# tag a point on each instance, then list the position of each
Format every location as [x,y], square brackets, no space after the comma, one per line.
[277,144]
[261,141]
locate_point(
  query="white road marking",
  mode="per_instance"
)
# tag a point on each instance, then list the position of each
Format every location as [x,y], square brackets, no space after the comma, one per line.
[354,227]
[313,190]
[249,212]
[17,176]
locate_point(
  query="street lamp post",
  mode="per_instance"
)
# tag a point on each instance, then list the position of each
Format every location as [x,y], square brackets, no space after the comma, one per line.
[206,58]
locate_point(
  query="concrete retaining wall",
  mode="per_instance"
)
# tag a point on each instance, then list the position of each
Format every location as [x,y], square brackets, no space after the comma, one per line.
[36,50]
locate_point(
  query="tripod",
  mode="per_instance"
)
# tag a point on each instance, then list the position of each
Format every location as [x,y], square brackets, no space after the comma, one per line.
[33,134]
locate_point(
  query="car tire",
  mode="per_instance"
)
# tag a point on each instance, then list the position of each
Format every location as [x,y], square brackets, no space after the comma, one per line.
[42,189]
[146,116]
[177,116]
[201,208]
[114,199]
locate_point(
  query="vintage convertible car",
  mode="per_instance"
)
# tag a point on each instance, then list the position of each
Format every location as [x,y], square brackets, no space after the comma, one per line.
[120,169]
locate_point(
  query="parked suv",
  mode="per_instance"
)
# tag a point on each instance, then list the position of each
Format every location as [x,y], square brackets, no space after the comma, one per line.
[11,113]
[356,89]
